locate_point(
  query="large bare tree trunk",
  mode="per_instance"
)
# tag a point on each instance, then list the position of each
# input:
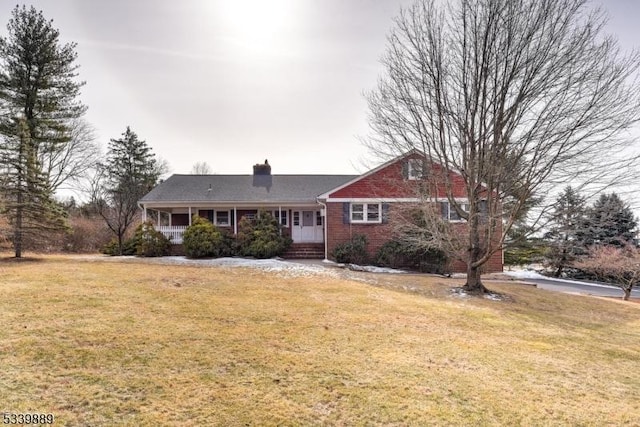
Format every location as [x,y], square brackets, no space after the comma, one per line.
[474,283]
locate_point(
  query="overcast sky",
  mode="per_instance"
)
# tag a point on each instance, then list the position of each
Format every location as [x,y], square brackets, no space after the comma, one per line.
[236,81]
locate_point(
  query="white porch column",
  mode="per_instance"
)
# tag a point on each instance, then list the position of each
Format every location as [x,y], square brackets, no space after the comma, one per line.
[159,215]
[144,213]
[170,215]
[280,220]
[235,220]
[189,215]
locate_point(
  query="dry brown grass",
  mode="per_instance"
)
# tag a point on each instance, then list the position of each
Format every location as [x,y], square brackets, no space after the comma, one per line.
[132,344]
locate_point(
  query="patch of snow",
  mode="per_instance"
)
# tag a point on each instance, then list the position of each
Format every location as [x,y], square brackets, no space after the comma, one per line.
[525,274]
[493,297]
[459,292]
[373,269]
[287,268]
[278,265]
[529,274]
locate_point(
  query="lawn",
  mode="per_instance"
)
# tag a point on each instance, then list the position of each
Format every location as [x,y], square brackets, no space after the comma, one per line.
[130,343]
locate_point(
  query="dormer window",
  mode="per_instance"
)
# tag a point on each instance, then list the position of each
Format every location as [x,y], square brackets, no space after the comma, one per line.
[415,169]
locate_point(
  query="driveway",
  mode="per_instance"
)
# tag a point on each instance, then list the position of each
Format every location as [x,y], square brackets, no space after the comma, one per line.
[571,286]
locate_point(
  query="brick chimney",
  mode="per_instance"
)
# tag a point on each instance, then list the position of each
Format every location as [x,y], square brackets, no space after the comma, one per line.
[262,169]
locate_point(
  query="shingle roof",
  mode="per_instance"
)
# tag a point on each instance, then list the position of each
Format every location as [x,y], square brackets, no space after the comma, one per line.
[244,188]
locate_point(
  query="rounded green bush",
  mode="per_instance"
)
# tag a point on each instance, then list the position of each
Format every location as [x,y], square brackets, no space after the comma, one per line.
[151,242]
[261,237]
[202,239]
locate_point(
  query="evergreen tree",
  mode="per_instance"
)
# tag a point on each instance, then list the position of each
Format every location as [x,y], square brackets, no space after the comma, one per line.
[565,237]
[610,222]
[38,99]
[131,171]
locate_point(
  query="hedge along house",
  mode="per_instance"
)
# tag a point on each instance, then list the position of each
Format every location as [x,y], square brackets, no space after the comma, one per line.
[318,211]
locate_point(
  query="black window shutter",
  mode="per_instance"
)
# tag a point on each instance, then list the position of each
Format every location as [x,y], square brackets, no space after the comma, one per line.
[385,213]
[346,211]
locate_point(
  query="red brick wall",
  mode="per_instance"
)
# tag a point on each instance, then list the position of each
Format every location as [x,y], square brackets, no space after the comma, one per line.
[389,182]
[378,234]
[337,232]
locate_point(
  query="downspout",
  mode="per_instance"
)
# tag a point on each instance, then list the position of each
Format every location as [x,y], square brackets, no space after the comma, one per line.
[326,234]
[144,211]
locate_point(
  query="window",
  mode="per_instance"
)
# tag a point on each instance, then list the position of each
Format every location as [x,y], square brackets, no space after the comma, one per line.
[206,214]
[222,218]
[284,220]
[415,169]
[318,218]
[296,218]
[373,213]
[449,212]
[365,212]
[357,212]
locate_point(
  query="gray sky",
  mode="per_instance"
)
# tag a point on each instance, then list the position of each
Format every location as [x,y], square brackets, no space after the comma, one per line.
[236,81]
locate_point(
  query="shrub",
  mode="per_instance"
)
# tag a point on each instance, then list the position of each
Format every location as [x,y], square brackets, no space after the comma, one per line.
[202,239]
[150,242]
[352,252]
[395,254]
[228,244]
[261,237]
[128,248]
[87,234]
[392,254]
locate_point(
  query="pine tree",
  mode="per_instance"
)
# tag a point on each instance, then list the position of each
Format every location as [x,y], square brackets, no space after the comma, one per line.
[565,237]
[28,201]
[38,95]
[130,172]
[610,222]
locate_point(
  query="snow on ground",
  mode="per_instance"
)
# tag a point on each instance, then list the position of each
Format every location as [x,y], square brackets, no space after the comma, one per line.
[288,268]
[531,274]
[525,274]
[460,293]
[370,269]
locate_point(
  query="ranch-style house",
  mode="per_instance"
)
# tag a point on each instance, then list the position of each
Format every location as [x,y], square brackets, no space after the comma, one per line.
[318,211]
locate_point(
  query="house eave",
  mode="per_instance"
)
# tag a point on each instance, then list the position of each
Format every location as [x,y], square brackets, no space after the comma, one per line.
[239,203]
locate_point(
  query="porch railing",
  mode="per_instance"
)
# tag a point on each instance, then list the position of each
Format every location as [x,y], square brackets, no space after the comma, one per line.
[173,232]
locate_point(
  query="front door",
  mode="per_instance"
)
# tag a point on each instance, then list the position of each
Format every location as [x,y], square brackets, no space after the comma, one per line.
[306,227]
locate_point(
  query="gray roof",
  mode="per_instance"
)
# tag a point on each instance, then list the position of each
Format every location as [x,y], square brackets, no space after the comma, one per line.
[244,188]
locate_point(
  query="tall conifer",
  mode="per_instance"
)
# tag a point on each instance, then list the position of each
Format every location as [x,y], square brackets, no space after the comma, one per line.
[38,100]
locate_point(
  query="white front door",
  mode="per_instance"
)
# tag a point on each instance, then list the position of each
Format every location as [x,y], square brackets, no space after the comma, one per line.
[306,227]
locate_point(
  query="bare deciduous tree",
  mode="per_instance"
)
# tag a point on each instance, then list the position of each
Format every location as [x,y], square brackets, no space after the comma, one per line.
[619,266]
[518,97]
[201,168]
[68,163]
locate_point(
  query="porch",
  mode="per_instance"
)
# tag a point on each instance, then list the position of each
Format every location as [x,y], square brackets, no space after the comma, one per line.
[305,224]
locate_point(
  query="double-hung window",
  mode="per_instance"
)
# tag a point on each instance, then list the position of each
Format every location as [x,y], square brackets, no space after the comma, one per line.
[366,213]
[282,219]
[415,169]
[222,218]
[449,213]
